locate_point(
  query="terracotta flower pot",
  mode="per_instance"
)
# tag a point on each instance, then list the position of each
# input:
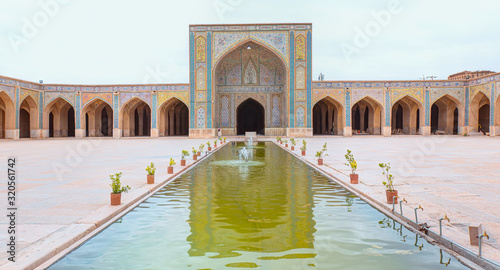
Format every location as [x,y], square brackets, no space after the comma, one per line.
[224,140]
[215,145]
[198,154]
[151,178]
[281,142]
[170,170]
[209,148]
[320,161]
[303,153]
[293,147]
[183,162]
[390,194]
[116,198]
[195,157]
[286,145]
[354,178]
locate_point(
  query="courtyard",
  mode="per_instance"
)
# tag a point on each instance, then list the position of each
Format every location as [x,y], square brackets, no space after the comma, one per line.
[64,196]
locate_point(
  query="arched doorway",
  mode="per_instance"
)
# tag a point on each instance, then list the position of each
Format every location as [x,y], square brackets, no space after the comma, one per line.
[366,117]
[250,70]
[444,115]
[97,119]
[61,119]
[406,116]
[173,118]
[479,116]
[136,118]
[6,115]
[250,116]
[28,118]
[327,117]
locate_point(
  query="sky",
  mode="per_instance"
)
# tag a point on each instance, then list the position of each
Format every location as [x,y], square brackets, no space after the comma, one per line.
[135,42]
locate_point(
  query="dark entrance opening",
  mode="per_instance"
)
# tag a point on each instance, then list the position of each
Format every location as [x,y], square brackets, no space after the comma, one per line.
[86,125]
[484,119]
[250,117]
[71,122]
[455,121]
[51,125]
[399,117]
[24,124]
[434,118]
[104,122]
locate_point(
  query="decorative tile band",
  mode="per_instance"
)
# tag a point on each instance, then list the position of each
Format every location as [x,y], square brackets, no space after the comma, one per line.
[427,107]
[154,109]
[191,81]
[292,80]
[209,79]
[467,106]
[116,111]
[250,89]
[387,108]
[492,105]
[309,78]
[78,111]
[348,108]
[269,27]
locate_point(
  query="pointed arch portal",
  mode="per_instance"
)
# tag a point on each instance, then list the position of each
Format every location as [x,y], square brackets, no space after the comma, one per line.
[250,117]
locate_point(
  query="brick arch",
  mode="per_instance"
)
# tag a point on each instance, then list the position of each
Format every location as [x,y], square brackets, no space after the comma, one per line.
[372,108]
[29,119]
[62,125]
[7,116]
[94,108]
[236,45]
[129,123]
[328,113]
[173,118]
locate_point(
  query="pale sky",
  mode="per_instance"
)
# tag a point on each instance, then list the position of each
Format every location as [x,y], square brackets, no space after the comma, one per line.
[128,42]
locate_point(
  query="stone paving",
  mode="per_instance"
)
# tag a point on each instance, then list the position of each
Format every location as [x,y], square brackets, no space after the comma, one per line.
[64,183]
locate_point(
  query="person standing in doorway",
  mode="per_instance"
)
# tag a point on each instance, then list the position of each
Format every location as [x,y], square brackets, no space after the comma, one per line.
[219,133]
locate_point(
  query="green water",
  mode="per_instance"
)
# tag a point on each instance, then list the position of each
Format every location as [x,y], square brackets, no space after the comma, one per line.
[272,212]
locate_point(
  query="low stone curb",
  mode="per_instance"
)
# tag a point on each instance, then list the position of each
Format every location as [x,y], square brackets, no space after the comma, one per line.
[463,255]
[97,222]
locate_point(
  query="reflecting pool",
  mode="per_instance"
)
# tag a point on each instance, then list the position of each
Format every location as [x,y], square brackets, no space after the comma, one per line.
[270,212]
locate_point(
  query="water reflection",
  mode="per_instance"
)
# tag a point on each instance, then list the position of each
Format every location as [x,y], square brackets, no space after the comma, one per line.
[270,211]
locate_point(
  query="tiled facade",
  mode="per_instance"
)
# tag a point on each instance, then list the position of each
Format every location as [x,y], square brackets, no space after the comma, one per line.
[271,64]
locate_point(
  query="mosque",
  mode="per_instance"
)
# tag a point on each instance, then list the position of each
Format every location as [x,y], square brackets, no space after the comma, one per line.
[258,78]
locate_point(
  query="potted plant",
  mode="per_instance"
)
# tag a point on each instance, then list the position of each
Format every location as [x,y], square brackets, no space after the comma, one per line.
[320,153]
[170,168]
[277,138]
[117,189]
[200,149]
[209,147]
[151,173]
[351,162]
[224,139]
[185,153]
[390,191]
[286,143]
[303,148]
[293,142]
[194,151]
[220,139]
[215,144]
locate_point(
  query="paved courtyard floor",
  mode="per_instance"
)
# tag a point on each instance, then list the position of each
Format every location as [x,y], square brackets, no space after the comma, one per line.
[63,184]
